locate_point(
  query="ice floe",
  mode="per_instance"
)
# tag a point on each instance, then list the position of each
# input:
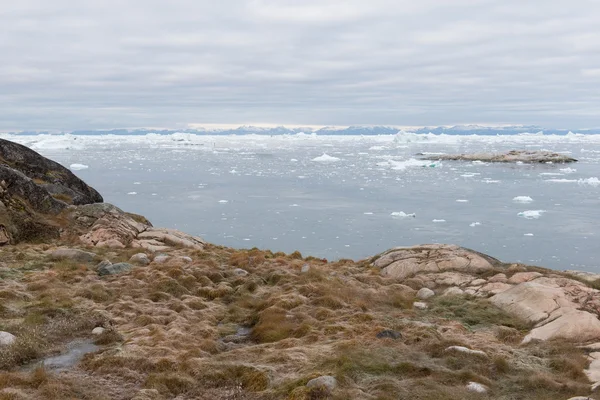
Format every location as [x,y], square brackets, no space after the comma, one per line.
[402,214]
[78,167]
[522,199]
[326,158]
[589,181]
[531,214]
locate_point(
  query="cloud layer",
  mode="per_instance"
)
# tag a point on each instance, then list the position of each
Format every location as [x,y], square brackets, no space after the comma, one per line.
[103,64]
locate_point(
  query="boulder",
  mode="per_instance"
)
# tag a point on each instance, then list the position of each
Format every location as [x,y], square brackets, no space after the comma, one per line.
[46,174]
[97,331]
[6,339]
[425,293]
[498,278]
[466,350]
[140,259]
[477,387]
[240,272]
[532,301]
[161,258]
[420,305]
[495,287]
[404,262]
[326,382]
[72,254]
[389,334]
[114,269]
[572,325]
[521,277]
[159,239]
[453,291]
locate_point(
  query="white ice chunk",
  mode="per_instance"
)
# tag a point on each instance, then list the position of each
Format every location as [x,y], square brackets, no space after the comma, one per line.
[462,201]
[589,181]
[326,158]
[531,214]
[402,214]
[223,201]
[78,167]
[522,199]
[439,220]
[474,224]
[132,193]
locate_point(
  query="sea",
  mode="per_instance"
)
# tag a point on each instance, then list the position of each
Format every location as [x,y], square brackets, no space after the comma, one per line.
[350,196]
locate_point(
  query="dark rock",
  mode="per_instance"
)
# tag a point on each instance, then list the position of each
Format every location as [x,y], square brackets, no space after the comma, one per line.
[389,334]
[49,175]
[114,269]
[528,157]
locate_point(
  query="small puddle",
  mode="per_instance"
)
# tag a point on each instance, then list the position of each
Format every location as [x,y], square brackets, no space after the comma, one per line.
[68,359]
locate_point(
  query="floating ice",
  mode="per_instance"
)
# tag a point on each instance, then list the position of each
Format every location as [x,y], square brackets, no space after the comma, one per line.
[568,170]
[402,214]
[137,183]
[528,234]
[439,220]
[589,181]
[462,201]
[368,213]
[78,167]
[223,201]
[471,175]
[326,158]
[561,180]
[293,160]
[522,199]
[551,174]
[474,224]
[411,162]
[132,193]
[531,214]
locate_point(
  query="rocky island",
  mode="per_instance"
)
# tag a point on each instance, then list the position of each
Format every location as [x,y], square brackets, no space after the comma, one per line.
[96,303]
[513,156]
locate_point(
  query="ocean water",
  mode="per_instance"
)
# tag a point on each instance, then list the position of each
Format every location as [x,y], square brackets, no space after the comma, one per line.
[351,196]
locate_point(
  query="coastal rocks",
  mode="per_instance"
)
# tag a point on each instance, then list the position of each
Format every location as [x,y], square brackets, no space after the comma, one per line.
[161,258]
[527,157]
[46,174]
[425,293]
[403,262]
[419,305]
[106,225]
[6,339]
[572,325]
[97,331]
[159,239]
[453,291]
[327,382]
[521,277]
[532,301]
[240,272]
[72,254]
[113,269]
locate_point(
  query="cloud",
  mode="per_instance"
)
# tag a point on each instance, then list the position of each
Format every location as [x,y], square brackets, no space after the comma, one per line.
[102,64]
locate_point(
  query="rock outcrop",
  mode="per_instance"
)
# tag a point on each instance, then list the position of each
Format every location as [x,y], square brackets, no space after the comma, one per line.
[527,157]
[33,190]
[402,262]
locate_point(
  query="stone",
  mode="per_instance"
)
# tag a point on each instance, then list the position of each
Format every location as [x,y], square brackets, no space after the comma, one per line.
[140,259]
[326,382]
[72,254]
[572,325]
[152,238]
[498,278]
[513,156]
[103,264]
[478,282]
[389,334]
[104,225]
[405,262]
[98,331]
[593,370]
[425,293]
[453,291]
[114,269]
[580,398]
[6,339]
[185,259]
[420,305]
[305,268]
[240,272]
[495,287]
[521,277]
[161,258]
[450,278]
[466,350]
[477,387]
[532,301]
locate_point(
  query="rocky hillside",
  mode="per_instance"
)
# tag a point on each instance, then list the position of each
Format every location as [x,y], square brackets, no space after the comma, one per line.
[110,307]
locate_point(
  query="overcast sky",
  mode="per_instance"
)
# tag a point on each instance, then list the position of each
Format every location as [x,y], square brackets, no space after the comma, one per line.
[91,64]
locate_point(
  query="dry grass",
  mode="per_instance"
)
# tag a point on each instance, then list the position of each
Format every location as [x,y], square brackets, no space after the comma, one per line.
[173,328]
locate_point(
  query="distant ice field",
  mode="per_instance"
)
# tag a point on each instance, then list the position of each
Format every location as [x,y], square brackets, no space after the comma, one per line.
[351,196]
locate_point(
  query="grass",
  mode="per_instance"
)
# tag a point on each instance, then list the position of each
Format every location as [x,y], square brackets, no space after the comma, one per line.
[165,325]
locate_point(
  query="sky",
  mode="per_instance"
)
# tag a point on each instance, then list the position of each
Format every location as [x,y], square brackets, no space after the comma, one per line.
[98,64]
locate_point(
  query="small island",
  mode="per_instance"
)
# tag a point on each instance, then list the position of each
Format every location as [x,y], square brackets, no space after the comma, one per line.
[96,303]
[513,156]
